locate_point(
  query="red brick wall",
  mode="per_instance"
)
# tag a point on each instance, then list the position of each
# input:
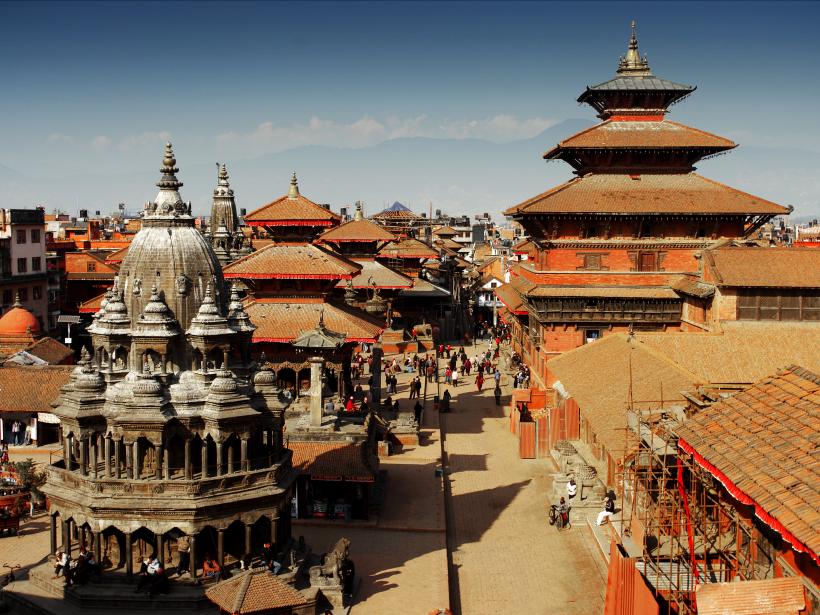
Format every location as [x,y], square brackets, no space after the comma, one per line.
[616,258]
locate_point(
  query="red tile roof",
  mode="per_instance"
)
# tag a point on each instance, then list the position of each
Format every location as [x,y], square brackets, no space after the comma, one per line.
[50,350]
[762,444]
[17,393]
[511,299]
[764,267]
[408,248]
[357,230]
[296,211]
[302,261]
[117,256]
[641,135]
[332,460]
[685,193]
[92,306]
[783,596]
[284,321]
[254,592]
[373,272]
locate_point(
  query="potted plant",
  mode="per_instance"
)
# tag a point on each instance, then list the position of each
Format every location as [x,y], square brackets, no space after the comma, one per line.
[31,478]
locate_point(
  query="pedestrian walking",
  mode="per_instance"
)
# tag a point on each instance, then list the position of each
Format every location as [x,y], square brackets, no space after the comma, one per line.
[479,381]
[497,394]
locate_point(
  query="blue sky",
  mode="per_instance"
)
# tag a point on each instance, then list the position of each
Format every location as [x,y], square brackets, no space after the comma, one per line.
[94,88]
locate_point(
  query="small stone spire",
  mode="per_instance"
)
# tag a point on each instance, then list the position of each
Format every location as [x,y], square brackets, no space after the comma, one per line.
[294,187]
[17,303]
[632,63]
[169,180]
[222,177]
[358,215]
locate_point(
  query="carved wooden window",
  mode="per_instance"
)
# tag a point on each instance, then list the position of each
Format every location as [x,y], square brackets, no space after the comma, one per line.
[647,261]
[592,261]
[91,266]
[774,305]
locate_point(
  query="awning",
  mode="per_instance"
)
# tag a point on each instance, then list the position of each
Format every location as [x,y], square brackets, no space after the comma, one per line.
[68,319]
[48,417]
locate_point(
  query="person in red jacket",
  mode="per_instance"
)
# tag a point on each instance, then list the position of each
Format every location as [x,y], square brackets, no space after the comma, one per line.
[479,381]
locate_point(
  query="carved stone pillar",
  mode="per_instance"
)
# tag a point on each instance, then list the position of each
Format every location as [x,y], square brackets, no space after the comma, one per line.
[204,458]
[129,560]
[229,451]
[188,472]
[248,529]
[220,547]
[94,456]
[135,462]
[243,455]
[166,463]
[219,460]
[83,456]
[159,456]
[193,556]
[66,536]
[107,451]
[53,534]
[316,364]
[67,452]
[117,458]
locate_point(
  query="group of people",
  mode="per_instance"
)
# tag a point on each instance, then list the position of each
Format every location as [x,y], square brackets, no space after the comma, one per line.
[75,571]
[18,433]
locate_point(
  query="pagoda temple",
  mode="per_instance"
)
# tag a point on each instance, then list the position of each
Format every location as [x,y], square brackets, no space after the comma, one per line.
[169,429]
[609,243]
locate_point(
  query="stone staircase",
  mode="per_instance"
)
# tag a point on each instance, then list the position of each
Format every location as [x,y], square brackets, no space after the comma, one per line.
[114,592]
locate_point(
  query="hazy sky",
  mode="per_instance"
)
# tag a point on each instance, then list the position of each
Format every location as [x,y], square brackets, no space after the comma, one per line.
[96,87]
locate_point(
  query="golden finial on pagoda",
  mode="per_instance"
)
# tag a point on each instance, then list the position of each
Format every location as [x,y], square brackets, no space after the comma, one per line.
[294,187]
[632,63]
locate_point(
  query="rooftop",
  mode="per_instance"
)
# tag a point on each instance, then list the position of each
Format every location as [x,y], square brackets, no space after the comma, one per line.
[373,273]
[762,444]
[292,209]
[332,460]
[254,592]
[685,193]
[764,267]
[292,261]
[408,248]
[284,321]
[17,393]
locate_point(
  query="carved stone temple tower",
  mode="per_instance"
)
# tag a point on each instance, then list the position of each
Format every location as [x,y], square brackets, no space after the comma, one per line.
[225,231]
[169,429]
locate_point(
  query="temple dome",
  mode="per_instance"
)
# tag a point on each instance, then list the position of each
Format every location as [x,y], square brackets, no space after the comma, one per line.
[19,321]
[170,252]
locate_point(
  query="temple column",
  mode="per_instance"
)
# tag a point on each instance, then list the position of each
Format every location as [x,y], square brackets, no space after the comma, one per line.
[83,456]
[107,451]
[219,460]
[376,388]
[129,562]
[160,538]
[159,454]
[187,471]
[225,358]
[52,534]
[166,463]
[248,529]
[94,457]
[220,547]
[243,455]
[193,556]
[97,538]
[66,536]
[117,458]
[67,452]
[204,458]
[135,463]
[316,364]
[274,528]
[229,450]
[164,359]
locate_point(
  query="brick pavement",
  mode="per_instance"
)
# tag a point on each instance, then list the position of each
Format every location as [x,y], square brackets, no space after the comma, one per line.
[508,558]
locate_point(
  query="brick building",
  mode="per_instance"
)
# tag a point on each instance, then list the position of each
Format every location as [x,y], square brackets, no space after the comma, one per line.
[610,243]
[22,261]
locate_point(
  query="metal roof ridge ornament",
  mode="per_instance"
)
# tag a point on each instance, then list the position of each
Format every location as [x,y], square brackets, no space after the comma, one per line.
[293,192]
[631,63]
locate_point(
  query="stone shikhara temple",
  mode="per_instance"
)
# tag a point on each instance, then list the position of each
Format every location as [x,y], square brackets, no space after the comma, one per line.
[169,428]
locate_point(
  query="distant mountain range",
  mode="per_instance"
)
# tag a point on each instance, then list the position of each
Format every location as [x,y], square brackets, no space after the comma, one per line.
[457,176]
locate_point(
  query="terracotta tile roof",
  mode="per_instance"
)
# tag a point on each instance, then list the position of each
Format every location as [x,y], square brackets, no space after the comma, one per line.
[525,246]
[92,306]
[423,288]
[50,350]
[357,230]
[17,393]
[396,211]
[511,299]
[783,596]
[625,292]
[445,231]
[448,244]
[690,285]
[765,267]
[332,460]
[762,443]
[686,193]
[284,322]
[596,376]
[292,261]
[117,256]
[254,592]
[641,135]
[373,272]
[743,353]
[408,248]
[287,211]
